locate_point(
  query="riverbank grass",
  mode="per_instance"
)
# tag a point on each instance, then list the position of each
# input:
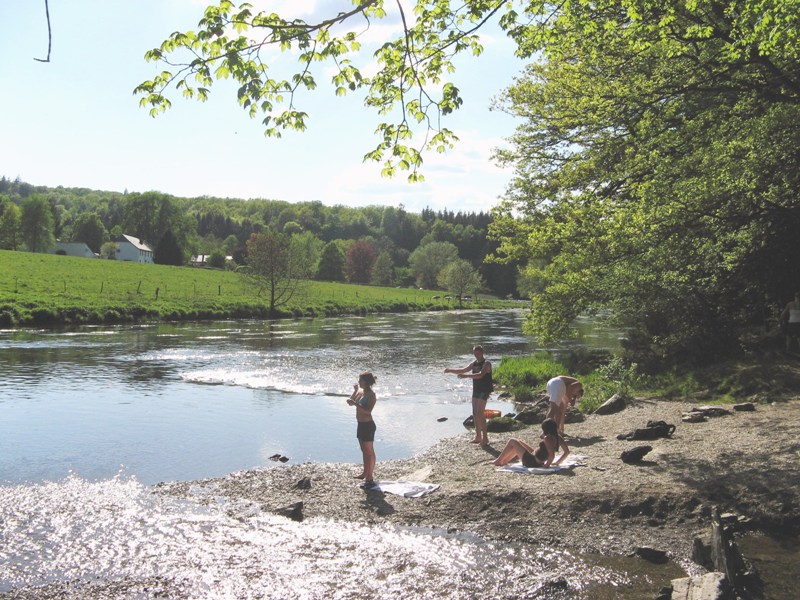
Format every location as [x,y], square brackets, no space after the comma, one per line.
[42,289]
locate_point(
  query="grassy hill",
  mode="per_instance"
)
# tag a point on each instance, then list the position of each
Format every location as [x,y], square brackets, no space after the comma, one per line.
[44,289]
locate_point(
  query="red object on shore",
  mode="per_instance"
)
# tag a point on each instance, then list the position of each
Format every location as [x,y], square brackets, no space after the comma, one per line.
[491,413]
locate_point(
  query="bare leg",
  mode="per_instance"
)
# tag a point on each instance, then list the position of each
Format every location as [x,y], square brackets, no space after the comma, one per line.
[479,418]
[514,449]
[368,452]
[563,416]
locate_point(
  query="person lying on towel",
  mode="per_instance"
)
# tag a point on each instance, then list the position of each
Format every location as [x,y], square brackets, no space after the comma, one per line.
[543,456]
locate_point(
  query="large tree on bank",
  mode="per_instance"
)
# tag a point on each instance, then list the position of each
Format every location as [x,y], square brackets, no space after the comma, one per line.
[657,171]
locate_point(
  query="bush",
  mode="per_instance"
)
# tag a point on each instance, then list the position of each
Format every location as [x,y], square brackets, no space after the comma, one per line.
[524,393]
[532,371]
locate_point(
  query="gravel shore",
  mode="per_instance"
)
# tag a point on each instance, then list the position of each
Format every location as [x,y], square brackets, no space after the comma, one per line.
[745,463]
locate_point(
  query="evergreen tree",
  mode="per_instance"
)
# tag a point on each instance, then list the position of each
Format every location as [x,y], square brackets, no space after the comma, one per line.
[331,263]
[168,252]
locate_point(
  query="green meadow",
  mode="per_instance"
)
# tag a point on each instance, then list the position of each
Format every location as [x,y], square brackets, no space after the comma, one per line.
[44,289]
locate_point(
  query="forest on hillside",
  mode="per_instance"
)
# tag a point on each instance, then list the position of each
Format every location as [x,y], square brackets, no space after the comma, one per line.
[379,245]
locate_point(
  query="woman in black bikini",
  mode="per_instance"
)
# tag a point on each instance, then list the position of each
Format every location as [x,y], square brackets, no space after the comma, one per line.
[539,457]
[364,400]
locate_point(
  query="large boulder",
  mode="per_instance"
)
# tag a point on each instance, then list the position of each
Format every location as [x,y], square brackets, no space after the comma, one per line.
[502,424]
[534,414]
[711,586]
[613,405]
[574,416]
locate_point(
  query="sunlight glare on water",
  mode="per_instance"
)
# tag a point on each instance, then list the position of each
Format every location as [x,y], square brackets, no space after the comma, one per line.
[118,529]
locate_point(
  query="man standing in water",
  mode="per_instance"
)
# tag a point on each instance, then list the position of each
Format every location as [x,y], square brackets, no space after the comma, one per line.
[480,371]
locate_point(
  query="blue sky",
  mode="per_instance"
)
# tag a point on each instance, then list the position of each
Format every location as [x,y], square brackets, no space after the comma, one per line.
[75,121]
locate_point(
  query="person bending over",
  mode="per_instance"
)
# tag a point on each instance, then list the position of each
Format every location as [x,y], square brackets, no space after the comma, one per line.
[563,392]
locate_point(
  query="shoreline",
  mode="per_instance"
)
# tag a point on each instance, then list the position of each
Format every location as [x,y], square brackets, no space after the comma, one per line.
[743,463]
[604,506]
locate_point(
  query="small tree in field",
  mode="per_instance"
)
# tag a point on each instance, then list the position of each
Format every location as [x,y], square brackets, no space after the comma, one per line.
[273,267]
[460,278]
[109,251]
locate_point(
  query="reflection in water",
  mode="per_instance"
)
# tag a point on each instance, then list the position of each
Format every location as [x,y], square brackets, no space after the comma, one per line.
[117,529]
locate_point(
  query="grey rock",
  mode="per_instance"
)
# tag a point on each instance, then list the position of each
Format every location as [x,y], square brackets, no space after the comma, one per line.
[652,554]
[613,405]
[712,411]
[303,484]
[711,586]
[293,511]
[694,417]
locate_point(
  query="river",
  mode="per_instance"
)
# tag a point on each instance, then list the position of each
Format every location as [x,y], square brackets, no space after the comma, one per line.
[168,402]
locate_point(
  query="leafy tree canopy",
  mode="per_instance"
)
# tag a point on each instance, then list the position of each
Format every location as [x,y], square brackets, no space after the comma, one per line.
[657,169]
[410,90]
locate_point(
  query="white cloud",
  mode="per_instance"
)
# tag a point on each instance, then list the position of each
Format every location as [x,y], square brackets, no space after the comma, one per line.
[463,179]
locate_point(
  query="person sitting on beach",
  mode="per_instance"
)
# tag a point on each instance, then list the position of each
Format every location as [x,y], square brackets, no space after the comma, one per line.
[543,456]
[563,392]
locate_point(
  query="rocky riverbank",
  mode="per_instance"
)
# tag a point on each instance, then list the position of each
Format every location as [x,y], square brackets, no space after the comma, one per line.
[744,463]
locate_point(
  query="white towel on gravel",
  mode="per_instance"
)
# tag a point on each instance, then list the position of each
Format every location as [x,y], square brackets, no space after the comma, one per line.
[409,489]
[573,460]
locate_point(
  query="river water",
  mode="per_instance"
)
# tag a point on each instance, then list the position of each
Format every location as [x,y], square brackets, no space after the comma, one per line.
[91,418]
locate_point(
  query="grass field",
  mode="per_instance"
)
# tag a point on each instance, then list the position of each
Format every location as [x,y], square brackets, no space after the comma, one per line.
[44,289]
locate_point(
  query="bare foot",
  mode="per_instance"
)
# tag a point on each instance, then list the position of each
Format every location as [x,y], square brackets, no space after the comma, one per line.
[495,463]
[475,441]
[485,443]
[359,476]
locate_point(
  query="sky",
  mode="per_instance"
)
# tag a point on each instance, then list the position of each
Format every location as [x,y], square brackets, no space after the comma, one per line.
[75,122]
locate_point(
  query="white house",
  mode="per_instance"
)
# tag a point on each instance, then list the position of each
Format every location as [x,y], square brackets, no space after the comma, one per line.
[133,249]
[74,249]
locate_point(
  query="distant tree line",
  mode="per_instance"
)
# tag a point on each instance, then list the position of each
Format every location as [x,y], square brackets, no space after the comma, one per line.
[380,245]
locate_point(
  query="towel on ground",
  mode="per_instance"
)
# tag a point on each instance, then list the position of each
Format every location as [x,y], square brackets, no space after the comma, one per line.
[571,461]
[409,489]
